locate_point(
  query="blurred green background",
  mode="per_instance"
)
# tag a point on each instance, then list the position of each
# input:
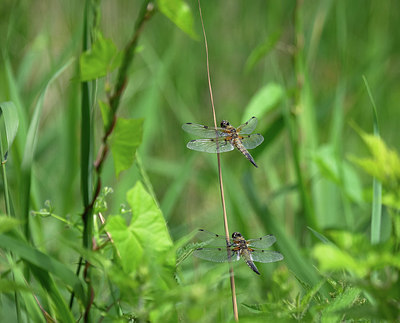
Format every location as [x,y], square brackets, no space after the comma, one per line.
[296,65]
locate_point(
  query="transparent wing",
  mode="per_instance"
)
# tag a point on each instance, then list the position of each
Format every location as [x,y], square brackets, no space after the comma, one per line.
[212,238]
[252,141]
[204,131]
[248,127]
[266,256]
[210,145]
[263,242]
[215,254]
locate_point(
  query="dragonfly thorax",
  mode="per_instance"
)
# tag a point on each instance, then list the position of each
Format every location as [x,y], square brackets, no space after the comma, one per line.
[225,124]
[236,235]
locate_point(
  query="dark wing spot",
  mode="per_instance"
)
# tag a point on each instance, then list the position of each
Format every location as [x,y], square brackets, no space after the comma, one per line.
[205,127]
[219,249]
[260,238]
[192,140]
[262,250]
[212,140]
[200,249]
[201,229]
[189,123]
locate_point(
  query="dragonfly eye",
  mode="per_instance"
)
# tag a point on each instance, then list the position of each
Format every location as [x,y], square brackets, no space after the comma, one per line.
[236,234]
[224,124]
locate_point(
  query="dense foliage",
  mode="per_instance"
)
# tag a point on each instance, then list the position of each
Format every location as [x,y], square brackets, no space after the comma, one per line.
[101,199]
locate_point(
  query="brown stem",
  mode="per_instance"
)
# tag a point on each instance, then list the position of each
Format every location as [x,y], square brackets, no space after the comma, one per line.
[221,185]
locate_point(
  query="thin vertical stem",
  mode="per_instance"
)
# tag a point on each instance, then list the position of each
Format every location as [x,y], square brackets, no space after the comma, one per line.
[376,218]
[221,185]
[8,213]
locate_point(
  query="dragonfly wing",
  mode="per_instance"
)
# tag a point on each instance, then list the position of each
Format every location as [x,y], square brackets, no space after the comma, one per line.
[210,145]
[204,131]
[212,238]
[215,254]
[266,256]
[252,141]
[263,242]
[248,127]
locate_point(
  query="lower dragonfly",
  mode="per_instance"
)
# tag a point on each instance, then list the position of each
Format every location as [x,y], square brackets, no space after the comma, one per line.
[225,138]
[250,250]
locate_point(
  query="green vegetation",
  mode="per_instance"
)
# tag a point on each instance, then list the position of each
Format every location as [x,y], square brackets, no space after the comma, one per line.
[100,198]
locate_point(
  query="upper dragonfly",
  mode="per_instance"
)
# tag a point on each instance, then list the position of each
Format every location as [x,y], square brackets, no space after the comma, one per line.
[225,138]
[250,250]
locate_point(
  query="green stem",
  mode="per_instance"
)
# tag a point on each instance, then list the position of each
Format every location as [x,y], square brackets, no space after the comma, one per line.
[8,213]
[376,217]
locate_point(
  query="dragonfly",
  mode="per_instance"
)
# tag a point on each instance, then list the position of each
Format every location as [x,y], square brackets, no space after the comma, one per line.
[225,138]
[238,247]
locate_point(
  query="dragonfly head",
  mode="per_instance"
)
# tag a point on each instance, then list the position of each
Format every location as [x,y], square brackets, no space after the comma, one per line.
[225,124]
[236,235]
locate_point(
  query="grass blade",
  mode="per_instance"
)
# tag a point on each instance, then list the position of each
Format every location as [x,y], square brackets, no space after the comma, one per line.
[376,219]
[42,261]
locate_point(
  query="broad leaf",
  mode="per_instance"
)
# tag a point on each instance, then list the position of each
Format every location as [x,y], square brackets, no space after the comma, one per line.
[100,60]
[126,243]
[148,222]
[146,239]
[125,139]
[179,13]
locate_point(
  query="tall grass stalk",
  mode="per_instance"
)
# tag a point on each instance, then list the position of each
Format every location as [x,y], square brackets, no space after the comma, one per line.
[90,191]
[221,184]
[3,159]
[376,218]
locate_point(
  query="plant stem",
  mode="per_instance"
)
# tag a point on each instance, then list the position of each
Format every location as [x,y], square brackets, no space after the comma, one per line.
[221,185]
[8,213]
[87,163]
[376,218]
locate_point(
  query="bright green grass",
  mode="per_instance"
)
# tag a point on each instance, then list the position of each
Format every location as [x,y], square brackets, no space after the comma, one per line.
[298,67]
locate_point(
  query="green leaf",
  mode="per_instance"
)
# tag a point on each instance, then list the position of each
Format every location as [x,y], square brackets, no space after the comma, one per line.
[180,14]
[263,101]
[43,261]
[125,139]
[10,116]
[61,309]
[31,139]
[354,253]
[147,234]
[7,223]
[384,165]
[342,301]
[148,223]
[332,258]
[100,60]
[126,243]
[32,308]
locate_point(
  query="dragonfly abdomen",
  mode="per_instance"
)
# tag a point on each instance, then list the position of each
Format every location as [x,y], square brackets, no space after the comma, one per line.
[238,144]
[252,266]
